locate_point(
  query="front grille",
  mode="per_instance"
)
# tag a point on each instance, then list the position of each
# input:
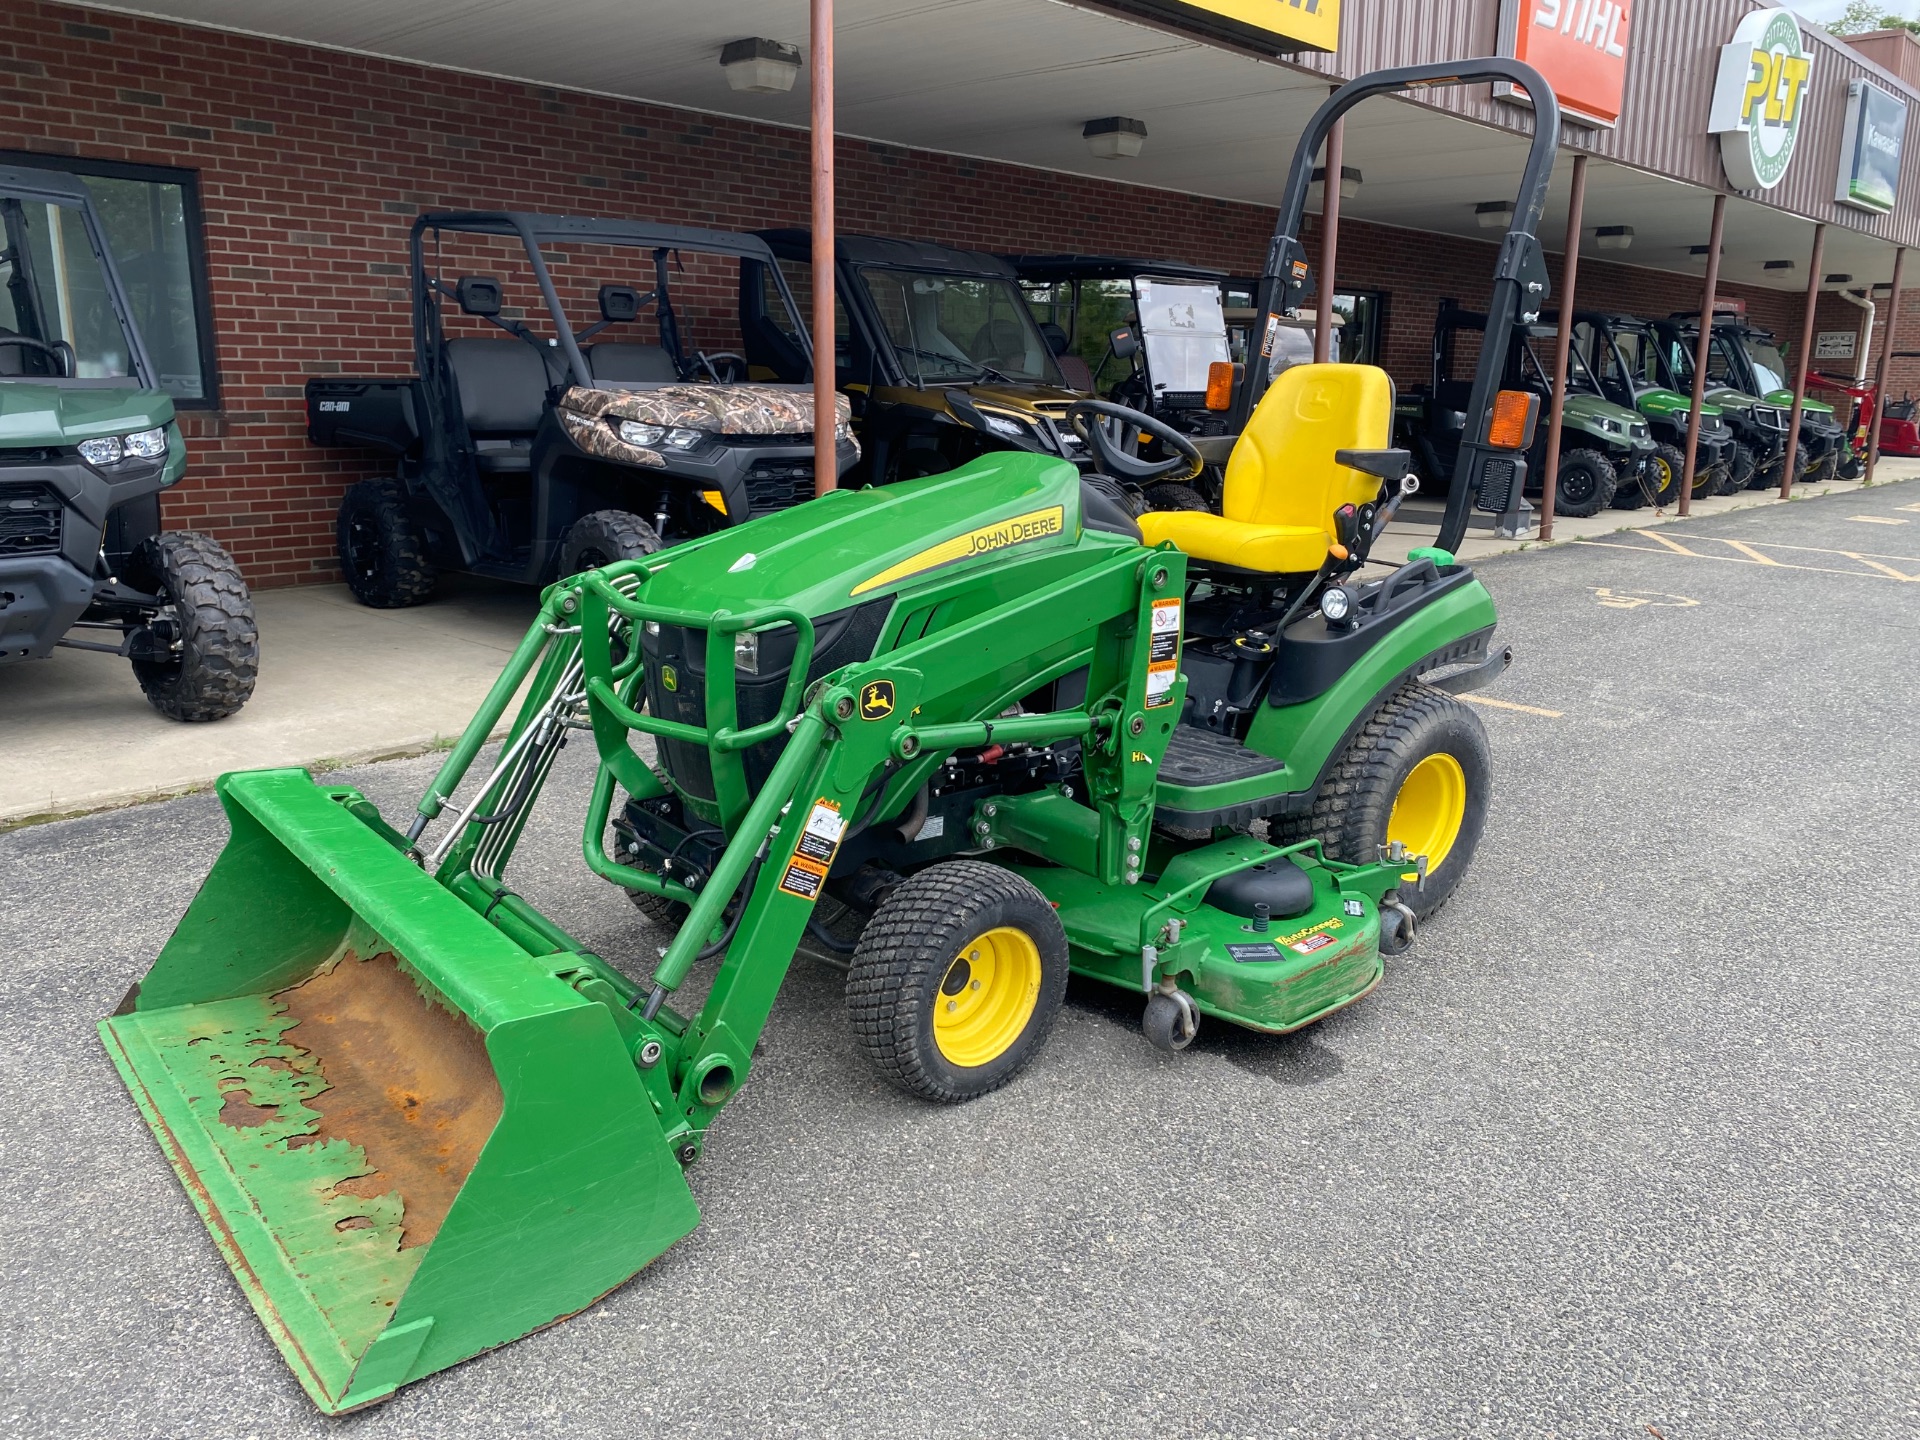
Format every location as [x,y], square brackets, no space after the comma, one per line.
[30,518]
[31,455]
[778,485]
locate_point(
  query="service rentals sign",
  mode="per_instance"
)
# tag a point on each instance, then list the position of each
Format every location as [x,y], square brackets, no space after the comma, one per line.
[1870,151]
[1759,97]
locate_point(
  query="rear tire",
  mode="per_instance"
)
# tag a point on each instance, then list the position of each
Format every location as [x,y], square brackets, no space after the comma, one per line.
[1664,472]
[1371,793]
[957,980]
[1745,462]
[1174,496]
[1586,486]
[604,537]
[1828,469]
[218,651]
[381,550]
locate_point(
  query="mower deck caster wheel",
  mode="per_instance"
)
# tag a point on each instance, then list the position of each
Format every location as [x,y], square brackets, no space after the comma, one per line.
[1171,1021]
[1397,927]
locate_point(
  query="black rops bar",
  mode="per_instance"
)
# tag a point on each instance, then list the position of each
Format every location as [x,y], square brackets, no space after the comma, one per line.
[1519,283]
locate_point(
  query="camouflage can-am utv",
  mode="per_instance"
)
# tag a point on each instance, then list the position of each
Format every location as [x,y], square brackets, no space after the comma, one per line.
[525,453]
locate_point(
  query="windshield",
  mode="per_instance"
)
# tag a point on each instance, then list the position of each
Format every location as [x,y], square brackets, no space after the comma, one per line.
[54,305]
[1769,365]
[959,328]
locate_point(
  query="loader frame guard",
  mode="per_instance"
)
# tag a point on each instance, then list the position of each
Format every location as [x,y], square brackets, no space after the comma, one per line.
[1520,285]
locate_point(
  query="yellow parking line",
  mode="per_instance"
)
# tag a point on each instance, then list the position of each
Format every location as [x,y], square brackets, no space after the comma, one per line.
[1746,549]
[1886,571]
[1883,569]
[1875,520]
[1674,545]
[1509,705]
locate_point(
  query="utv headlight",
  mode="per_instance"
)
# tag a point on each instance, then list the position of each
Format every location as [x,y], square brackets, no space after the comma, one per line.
[683,439]
[746,652]
[635,433]
[148,444]
[1002,425]
[102,452]
[1336,604]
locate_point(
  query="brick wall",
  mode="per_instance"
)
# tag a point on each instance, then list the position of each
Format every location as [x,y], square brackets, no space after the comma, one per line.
[312,164]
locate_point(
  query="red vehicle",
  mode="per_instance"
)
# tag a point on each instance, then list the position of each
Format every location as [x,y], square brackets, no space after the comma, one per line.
[1899,427]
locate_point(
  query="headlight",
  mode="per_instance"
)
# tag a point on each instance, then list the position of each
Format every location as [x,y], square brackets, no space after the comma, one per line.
[746,652]
[102,452]
[1336,604]
[1639,432]
[1001,425]
[141,445]
[1612,427]
[681,439]
[635,433]
[148,444]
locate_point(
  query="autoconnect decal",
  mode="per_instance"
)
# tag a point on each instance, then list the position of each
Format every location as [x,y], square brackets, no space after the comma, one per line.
[1759,98]
[1017,530]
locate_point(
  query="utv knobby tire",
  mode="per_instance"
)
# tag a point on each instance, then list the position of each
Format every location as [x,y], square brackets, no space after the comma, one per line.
[1586,485]
[1745,462]
[604,537]
[218,657]
[909,948]
[1357,793]
[1663,478]
[1174,496]
[1827,470]
[380,547]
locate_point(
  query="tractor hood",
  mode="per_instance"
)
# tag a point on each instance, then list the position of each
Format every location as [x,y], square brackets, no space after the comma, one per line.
[1594,413]
[53,413]
[1808,406]
[853,545]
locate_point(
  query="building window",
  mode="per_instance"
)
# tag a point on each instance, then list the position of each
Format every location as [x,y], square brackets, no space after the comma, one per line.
[152,221]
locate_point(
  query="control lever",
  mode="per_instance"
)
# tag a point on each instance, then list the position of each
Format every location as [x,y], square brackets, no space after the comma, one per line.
[1409,485]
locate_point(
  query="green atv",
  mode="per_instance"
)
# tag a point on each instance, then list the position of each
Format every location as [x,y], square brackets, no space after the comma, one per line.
[89,442]
[1620,358]
[967,734]
[1604,447]
[1748,359]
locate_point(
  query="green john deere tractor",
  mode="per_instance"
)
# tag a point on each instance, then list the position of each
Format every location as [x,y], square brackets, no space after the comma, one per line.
[1001,730]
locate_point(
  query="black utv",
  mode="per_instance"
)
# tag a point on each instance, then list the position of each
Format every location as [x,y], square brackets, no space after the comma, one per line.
[525,453]
[89,442]
[1748,360]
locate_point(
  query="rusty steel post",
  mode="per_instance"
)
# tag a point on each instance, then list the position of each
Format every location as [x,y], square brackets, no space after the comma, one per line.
[1562,345]
[1329,244]
[1802,362]
[826,466]
[1700,351]
[1887,346]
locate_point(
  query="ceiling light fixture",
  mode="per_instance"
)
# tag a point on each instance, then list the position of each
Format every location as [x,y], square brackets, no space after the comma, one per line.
[1842,279]
[1493,214]
[1116,137]
[1316,191]
[1613,237]
[1779,264]
[760,66]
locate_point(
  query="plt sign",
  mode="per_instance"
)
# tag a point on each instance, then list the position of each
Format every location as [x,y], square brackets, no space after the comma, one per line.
[1580,46]
[1870,151]
[1759,97]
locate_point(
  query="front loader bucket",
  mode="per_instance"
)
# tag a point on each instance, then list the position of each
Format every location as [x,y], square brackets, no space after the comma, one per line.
[410,1140]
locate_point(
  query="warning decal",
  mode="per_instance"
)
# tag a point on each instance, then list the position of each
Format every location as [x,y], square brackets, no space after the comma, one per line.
[1163,653]
[1312,943]
[813,856]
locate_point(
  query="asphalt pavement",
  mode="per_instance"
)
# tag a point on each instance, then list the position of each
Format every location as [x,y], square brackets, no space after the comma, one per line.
[1625,1146]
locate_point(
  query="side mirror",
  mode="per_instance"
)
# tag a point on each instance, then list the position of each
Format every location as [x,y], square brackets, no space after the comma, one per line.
[619,303]
[1124,343]
[478,295]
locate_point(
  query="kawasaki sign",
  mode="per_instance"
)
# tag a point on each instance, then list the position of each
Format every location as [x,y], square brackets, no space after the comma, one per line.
[1759,98]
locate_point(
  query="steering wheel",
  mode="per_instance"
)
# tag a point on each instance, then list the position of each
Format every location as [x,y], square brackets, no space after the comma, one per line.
[736,366]
[1087,417]
[60,352]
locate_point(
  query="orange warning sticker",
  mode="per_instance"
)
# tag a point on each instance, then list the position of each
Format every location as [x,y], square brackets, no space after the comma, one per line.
[813,856]
[1163,652]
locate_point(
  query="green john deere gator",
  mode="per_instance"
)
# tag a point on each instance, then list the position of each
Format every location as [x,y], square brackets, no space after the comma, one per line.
[1003,731]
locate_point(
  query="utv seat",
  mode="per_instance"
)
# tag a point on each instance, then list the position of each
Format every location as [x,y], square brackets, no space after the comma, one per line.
[503,391]
[625,364]
[1285,478]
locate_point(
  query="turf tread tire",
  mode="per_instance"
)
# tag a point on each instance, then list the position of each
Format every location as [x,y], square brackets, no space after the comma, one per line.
[1350,810]
[904,954]
[219,640]
[402,574]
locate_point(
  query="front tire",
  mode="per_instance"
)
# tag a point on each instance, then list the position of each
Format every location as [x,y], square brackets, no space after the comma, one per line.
[1420,772]
[1740,475]
[381,550]
[1586,486]
[216,642]
[604,537]
[957,980]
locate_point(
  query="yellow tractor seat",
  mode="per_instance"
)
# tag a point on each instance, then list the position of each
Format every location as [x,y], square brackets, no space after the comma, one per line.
[1299,460]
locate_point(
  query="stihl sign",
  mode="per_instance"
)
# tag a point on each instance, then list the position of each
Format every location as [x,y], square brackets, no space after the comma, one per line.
[1580,46]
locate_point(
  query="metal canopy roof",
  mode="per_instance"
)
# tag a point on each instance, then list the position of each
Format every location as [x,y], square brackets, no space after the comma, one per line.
[1014,80]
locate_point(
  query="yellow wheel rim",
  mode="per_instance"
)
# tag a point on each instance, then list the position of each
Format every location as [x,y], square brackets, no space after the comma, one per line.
[1430,809]
[987,997]
[1662,477]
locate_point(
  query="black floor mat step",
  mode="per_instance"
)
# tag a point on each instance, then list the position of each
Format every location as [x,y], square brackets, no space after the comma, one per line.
[1197,757]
